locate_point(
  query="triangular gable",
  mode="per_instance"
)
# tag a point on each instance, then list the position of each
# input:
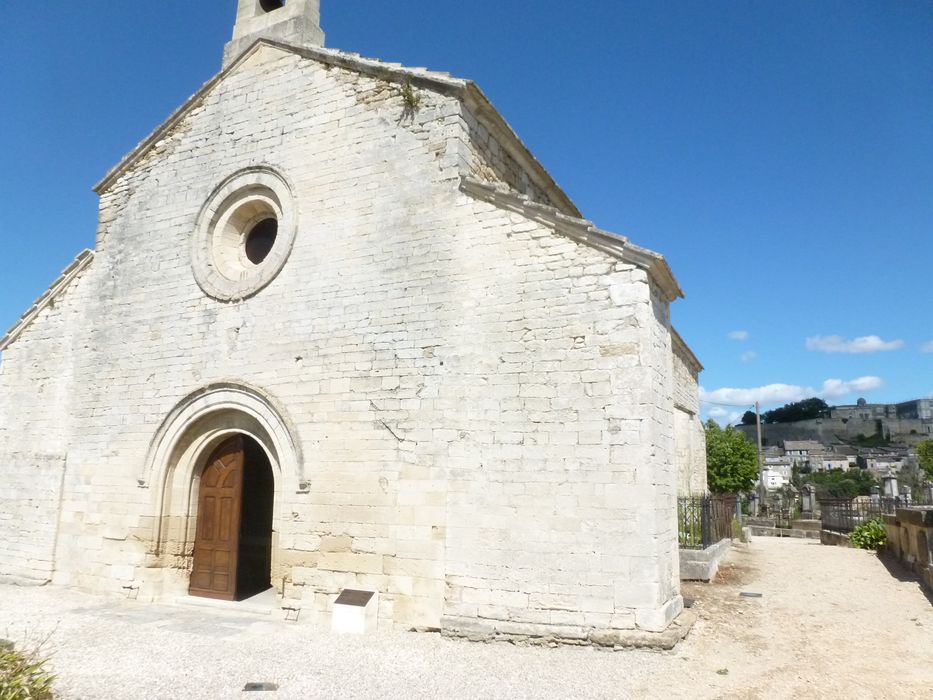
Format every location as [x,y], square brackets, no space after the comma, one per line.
[580,230]
[464,90]
[54,291]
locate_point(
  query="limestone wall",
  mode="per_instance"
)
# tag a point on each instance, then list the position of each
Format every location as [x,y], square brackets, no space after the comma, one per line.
[36,373]
[483,407]
[689,436]
[910,539]
[30,494]
[487,159]
[559,465]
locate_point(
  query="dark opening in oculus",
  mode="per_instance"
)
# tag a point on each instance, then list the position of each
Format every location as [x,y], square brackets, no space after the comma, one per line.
[260,239]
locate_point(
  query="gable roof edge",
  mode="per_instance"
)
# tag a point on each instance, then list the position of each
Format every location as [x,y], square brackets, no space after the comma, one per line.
[580,230]
[156,134]
[679,343]
[441,82]
[61,283]
[483,109]
[465,90]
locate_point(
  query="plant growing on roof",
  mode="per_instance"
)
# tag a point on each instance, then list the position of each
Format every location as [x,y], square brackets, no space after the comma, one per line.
[411,100]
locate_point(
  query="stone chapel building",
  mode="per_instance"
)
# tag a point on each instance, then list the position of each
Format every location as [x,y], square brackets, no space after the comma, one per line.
[341,329]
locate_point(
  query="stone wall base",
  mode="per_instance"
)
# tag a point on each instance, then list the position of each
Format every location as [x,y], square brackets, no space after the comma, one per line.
[799,533]
[910,540]
[25,581]
[475,630]
[702,564]
[834,539]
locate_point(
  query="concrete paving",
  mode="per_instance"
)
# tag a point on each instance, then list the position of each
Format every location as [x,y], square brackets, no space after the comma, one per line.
[831,622]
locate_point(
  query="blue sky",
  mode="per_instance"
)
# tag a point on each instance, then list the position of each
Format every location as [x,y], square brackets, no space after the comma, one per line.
[780,154]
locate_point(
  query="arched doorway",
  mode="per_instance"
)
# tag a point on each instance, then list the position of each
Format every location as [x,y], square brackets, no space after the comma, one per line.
[233,536]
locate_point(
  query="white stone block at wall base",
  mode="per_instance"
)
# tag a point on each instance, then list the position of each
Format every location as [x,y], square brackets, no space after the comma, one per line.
[355,616]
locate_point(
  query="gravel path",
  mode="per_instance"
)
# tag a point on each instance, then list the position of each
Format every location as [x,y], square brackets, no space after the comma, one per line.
[832,622]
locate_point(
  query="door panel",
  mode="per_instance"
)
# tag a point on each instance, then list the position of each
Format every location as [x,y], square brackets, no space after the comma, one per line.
[214,571]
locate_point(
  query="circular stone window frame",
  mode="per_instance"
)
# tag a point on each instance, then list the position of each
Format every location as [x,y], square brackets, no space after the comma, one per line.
[232,210]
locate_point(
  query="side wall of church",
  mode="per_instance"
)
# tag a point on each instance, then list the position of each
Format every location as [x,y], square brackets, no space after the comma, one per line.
[30,495]
[561,486]
[689,436]
[35,381]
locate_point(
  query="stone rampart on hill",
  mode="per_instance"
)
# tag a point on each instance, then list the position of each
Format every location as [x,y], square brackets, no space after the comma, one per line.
[834,430]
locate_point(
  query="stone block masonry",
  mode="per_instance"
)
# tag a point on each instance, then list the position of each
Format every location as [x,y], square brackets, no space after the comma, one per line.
[466,396]
[30,500]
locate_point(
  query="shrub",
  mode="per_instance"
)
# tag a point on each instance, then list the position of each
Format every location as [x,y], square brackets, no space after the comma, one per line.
[23,675]
[870,535]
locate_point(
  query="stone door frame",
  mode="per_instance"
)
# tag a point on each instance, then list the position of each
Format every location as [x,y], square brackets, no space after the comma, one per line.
[179,452]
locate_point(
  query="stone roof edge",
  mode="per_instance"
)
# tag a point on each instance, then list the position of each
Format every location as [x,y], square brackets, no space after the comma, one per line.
[57,287]
[678,341]
[483,109]
[465,90]
[580,230]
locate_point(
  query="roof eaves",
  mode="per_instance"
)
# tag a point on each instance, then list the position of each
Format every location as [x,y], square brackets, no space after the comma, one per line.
[481,107]
[682,345]
[580,230]
[419,77]
[443,83]
[57,287]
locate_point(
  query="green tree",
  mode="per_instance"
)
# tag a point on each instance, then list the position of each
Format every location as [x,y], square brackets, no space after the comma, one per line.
[798,410]
[925,457]
[840,483]
[731,459]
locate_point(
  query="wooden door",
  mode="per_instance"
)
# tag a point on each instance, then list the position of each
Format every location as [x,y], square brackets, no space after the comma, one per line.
[216,544]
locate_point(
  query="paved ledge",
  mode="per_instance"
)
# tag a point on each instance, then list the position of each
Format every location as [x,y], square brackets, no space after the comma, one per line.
[702,564]
[834,539]
[799,533]
[555,635]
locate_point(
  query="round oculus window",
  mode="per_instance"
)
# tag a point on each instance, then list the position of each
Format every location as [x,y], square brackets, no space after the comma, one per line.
[260,239]
[244,235]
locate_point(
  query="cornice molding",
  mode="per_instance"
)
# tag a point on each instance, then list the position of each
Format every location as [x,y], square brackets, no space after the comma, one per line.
[580,230]
[443,83]
[679,344]
[67,276]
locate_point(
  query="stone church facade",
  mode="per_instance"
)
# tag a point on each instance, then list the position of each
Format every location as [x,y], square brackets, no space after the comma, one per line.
[340,329]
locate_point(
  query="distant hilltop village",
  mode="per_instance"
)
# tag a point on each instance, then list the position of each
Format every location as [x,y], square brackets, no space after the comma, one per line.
[867,424]
[877,438]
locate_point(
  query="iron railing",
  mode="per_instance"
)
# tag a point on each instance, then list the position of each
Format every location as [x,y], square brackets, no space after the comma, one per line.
[704,520]
[846,514]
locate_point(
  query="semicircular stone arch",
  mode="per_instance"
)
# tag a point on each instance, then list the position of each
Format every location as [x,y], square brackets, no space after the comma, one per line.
[182,444]
[239,407]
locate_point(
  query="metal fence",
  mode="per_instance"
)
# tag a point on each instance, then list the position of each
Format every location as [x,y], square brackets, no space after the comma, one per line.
[846,514]
[704,520]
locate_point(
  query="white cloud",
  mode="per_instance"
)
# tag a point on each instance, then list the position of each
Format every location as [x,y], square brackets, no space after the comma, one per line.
[738,335]
[724,416]
[867,343]
[747,357]
[927,347]
[785,393]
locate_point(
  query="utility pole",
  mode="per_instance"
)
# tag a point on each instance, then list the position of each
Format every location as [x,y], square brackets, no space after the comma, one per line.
[762,487]
[758,424]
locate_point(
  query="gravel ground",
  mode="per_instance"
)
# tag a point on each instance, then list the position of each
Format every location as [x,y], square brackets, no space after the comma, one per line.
[831,622]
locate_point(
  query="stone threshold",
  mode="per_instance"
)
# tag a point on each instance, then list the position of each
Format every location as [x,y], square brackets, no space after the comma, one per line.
[265,603]
[554,635]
